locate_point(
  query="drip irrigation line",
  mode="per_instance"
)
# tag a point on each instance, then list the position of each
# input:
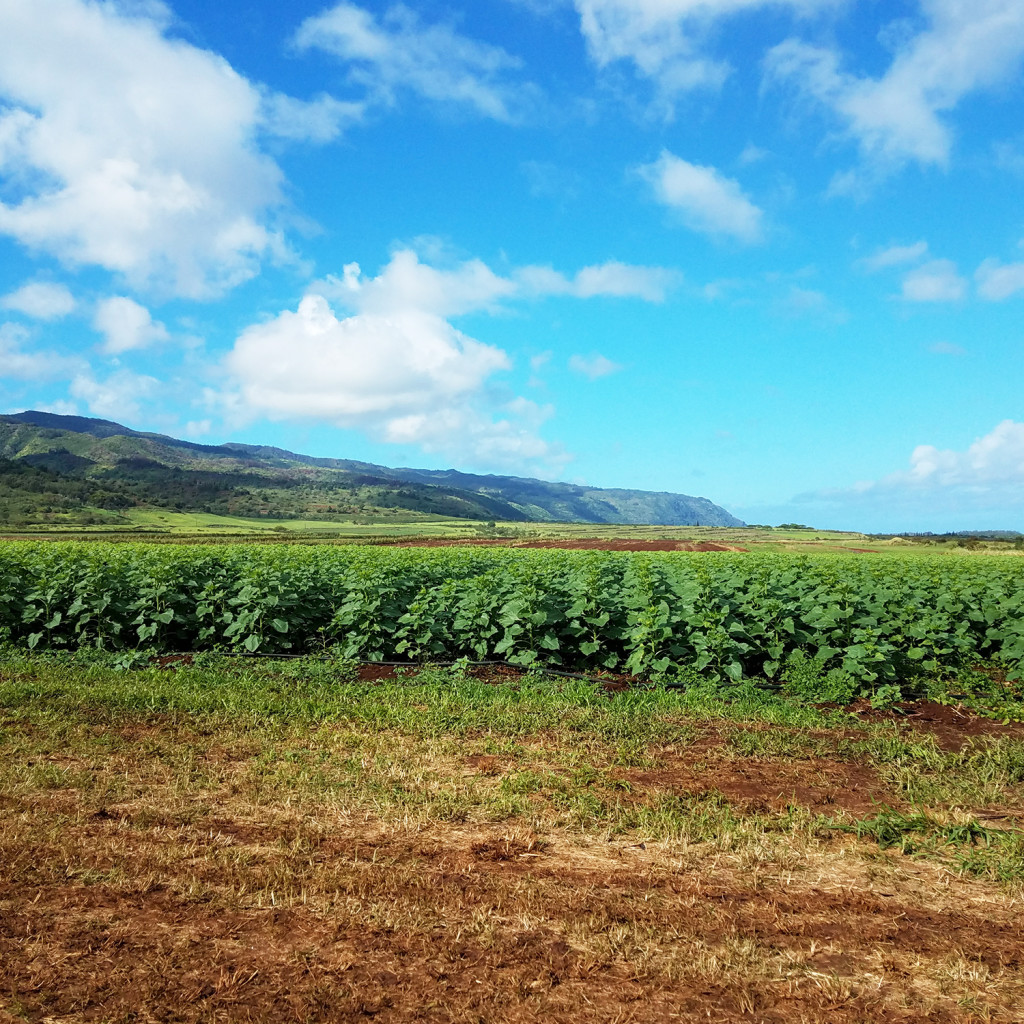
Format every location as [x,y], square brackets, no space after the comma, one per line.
[544,669]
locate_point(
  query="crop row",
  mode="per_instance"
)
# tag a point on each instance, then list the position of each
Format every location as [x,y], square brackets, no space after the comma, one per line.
[727,615]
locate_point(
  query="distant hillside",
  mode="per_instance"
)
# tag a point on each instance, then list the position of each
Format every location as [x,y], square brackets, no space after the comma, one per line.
[78,462]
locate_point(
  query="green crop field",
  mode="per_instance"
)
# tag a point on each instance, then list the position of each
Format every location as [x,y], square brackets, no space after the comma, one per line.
[861,623]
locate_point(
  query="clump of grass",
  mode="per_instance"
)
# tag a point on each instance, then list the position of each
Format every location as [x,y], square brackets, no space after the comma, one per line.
[974,848]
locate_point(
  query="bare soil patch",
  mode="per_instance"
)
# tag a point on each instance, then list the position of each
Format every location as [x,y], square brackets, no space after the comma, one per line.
[608,544]
[569,544]
[822,785]
[952,727]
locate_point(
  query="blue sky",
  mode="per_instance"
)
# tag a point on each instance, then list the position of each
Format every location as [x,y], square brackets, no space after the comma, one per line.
[767,252]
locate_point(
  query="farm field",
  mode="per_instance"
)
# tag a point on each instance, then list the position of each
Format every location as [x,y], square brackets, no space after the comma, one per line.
[154,523]
[211,838]
[417,529]
[659,785]
[872,627]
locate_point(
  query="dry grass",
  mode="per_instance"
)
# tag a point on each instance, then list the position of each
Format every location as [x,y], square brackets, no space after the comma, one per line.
[173,869]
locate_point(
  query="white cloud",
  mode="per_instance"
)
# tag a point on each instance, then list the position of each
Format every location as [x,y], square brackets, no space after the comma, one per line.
[131,150]
[126,325]
[198,428]
[990,463]
[895,256]
[364,367]
[41,300]
[1009,155]
[61,407]
[18,364]
[510,440]
[968,45]
[805,300]
[405,376]
[400,52]
[979,487]
[997,281]
[593,366]
[935,281]
[319,120]
[406,284]
[706,200]
[667,40]
[551,181]
[994,459]
[613,279]
[399,369]
[116,398]
[625,281]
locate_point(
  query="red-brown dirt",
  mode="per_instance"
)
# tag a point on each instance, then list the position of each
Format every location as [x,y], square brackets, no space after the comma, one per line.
[951,727]
[568,544]
[822,785]
[476,925]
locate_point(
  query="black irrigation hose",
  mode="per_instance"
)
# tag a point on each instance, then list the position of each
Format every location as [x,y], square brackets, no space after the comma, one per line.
[397,664]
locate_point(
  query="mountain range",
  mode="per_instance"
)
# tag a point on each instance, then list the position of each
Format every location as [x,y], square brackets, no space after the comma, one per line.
[59,465]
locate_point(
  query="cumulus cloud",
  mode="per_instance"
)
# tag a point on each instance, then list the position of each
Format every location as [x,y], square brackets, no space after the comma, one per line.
[133,151]
[399,369]
[997,281]
[406,376]
[706,200]
[797,302]
[399,52]
[41,300]
[902,115]
[126,325]
[941,488]
[118,397]
[396,368]
[593,366]
[992,460]
[408,285]
[360,368]
[935,281]
[668,41]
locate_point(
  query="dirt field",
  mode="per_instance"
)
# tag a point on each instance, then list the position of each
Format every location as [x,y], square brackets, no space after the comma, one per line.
[161,867]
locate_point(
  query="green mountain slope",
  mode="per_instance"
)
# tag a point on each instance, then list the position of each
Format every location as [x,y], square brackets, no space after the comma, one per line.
[79,462]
